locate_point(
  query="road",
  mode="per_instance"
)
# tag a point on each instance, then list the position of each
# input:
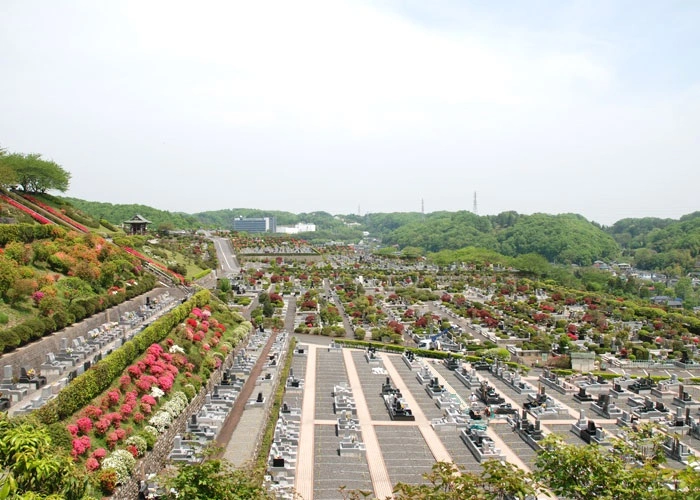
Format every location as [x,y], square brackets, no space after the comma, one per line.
[228,264]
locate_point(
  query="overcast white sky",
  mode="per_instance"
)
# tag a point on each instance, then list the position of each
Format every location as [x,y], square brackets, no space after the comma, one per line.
[590,107]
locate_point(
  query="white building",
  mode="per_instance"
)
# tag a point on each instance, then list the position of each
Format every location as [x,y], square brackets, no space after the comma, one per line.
[300,227]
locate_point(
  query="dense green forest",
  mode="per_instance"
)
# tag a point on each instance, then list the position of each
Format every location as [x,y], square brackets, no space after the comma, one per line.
[668,245]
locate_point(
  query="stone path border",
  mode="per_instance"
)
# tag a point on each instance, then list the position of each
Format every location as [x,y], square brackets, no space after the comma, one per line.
[375,459]
[304,479]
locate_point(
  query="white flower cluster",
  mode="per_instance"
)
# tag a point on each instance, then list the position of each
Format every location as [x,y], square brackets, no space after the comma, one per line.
[157,392]
[151,430]
[122,462]
[176,349]
[169,412]
[161,421]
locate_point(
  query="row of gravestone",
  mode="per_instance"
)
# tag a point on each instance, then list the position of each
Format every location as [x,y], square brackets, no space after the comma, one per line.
[204,426]
[282,458]
[73,358]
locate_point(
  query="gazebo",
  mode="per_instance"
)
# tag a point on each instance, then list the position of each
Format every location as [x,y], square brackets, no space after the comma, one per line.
[138,224]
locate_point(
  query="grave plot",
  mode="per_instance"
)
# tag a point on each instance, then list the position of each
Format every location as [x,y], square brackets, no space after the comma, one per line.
[331,470]
[371,382]
[330,371]
[515,443]
[426,403]
[406,454]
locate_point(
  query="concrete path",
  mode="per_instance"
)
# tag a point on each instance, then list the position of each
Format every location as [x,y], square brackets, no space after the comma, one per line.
[431,438]
[375,459]
[304,479]
[242,449]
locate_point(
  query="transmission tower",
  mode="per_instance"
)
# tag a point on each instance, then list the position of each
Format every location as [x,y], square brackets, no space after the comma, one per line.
[475,210]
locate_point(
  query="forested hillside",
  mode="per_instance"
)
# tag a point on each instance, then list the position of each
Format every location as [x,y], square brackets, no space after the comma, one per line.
[566,238]
[118,213]
[650,243]
[661,244]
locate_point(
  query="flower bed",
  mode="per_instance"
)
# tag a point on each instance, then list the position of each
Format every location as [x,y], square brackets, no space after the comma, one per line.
[144,400]
[56,213]
[38,217]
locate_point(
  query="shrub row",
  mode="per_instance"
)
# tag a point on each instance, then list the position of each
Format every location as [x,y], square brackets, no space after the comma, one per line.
[201,274]
[37,327]
[26,233]
[425,353]
[108,225]
[98,378]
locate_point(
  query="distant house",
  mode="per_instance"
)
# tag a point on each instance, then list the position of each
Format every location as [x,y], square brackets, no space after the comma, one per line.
[665,300]
[138,224]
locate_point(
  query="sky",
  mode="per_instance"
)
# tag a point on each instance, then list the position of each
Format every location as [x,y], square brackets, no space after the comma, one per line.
[589,107]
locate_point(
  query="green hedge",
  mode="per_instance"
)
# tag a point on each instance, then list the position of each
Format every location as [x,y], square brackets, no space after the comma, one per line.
[93,382]
[108,225]
[201,274]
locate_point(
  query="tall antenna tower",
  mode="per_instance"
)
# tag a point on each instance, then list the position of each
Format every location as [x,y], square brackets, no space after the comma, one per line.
[475,210]
[422,207]
[358,210]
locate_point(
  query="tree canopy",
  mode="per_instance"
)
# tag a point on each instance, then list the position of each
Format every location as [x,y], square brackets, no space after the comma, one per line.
[32,173]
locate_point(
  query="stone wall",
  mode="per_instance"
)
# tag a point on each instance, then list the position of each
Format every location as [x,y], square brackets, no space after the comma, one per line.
[34,354]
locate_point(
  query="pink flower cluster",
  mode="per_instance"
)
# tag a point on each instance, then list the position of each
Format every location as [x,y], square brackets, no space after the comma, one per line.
[80,446]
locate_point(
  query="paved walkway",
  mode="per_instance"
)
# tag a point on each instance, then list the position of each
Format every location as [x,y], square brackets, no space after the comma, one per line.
[375,459]
[304,479]
[242,449]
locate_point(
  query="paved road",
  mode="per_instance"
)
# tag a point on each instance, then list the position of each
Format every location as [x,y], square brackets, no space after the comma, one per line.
[228,264]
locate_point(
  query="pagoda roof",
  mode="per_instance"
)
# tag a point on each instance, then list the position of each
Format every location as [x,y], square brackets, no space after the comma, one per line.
[137,219]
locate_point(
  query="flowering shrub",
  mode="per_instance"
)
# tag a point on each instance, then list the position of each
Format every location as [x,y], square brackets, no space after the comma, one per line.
[176,349]
[92,412]
[157,393]
[148,399]
[80,446]
[84,425]
[149,429]
[161,421]
[99,453]
[138,443]
[122,462]
[102,425]
[108,480]
[92,464]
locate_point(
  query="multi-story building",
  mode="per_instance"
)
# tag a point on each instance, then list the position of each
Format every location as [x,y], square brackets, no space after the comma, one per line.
[255,224]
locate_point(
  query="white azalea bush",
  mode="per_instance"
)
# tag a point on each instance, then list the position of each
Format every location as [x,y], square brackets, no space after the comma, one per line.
[122,462]
[169,412]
